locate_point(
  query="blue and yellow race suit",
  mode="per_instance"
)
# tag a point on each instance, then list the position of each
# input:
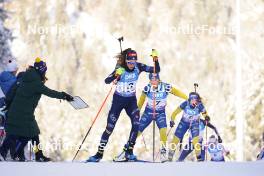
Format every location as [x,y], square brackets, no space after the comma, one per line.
[161,93]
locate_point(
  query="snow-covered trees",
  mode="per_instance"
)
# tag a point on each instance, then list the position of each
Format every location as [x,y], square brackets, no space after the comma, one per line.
[5,36]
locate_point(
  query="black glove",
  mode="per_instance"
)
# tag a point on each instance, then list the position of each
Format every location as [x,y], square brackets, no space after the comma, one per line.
[67,96]
[207,119]
[172,123]
[220,139]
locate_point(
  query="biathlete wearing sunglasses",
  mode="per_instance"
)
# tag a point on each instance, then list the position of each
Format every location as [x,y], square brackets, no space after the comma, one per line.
[125,78]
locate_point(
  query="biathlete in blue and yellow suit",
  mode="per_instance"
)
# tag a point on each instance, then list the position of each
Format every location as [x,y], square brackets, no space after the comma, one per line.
[188,148]
[125,77]
[161,91]
[192,108]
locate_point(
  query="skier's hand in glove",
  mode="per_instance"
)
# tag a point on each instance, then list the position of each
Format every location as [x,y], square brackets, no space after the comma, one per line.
[207,119]
[119,71]
[154,54]
[67,96]
[172,123]
[220,139]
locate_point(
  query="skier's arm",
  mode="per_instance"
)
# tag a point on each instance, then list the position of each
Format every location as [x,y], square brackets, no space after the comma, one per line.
[225,151]
[110,78]
[203,111]
[115,75]
[213,128]
[175,113]
[149,69]
[178,110]
[178,93]
[141,100]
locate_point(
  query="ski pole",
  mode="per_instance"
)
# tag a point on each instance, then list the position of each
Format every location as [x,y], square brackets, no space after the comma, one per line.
[195,86]
[30,154]
[143,139]
[121,39]
[100,109]
[154,110]
[206,140]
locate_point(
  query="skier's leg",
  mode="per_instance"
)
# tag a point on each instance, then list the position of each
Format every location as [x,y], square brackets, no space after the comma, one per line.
[187,149]
[112,118]
[144,122]
[178,135]
[195,133]
[202,152]
[133,113]
[113,115]
[162,125]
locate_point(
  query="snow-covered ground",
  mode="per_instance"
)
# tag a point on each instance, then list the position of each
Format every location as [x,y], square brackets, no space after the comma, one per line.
[132,169]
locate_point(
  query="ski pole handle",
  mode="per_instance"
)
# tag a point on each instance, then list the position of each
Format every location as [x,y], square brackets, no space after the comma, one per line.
[195,86]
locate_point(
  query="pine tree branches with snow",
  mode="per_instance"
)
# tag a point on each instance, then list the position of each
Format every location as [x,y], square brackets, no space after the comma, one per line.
[5,35]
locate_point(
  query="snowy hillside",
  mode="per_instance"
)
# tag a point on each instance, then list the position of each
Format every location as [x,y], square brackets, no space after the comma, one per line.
[78,40]
[133,169]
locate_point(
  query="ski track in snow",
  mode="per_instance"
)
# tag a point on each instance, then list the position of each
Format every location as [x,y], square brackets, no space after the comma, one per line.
[132,169]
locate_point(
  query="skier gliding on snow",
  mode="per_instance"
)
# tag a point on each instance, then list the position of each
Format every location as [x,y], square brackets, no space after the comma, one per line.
[189,121]
[161,91]
[189,148]
[126,77]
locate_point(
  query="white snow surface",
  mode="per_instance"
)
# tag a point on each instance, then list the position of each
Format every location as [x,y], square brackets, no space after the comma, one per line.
[132,169]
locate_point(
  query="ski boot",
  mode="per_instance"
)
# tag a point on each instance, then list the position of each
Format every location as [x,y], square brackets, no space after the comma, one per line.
[94,159]
[121,156]
[171,154]
[199,158]
[40,157]
[130,157]
[163,155]
[126,155]
[129,152]
[99,155]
